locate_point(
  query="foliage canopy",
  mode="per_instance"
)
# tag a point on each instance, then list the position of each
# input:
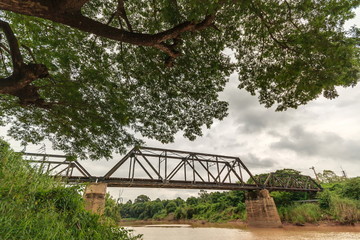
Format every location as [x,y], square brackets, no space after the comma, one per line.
[89,75]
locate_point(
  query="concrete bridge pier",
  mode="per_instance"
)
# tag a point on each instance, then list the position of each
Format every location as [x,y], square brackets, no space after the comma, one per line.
[261,210]
[94,197]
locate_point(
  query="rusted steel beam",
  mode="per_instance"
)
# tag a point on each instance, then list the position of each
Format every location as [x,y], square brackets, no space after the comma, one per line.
[146,183]
[179,157]
[187,152]
[116,167]
[45,155]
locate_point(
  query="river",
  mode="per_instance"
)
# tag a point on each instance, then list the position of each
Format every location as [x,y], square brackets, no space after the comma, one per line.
[187,232]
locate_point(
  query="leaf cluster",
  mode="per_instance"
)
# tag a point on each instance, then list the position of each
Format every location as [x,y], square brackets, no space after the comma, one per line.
[105,95]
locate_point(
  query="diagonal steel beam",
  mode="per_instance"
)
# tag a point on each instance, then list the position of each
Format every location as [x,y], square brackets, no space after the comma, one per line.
[121,162]
[195,170]
[218,177]
[151,166]
[175,170]
[235,173]
[142,166]
[207,170]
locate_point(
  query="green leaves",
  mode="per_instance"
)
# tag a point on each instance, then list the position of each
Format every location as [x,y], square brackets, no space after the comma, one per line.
[103,93]
[291,52]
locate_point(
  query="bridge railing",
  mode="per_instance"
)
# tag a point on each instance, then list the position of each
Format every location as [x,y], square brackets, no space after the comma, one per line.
[56,165]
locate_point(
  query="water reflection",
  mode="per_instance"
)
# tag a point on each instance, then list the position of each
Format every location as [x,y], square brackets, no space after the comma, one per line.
[186,232]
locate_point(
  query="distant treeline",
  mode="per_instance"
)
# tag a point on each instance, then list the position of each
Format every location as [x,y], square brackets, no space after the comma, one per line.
[215,206]
[340,201]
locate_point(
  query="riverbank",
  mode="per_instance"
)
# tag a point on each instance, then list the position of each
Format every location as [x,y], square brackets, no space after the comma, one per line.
[181,232]
[333,225]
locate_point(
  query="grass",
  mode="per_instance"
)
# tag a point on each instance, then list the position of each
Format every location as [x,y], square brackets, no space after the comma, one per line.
[332,206]
[36,206]
[345,211]
[301,213]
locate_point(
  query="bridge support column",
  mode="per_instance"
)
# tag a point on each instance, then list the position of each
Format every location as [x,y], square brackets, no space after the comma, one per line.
[94,197]
[261,210]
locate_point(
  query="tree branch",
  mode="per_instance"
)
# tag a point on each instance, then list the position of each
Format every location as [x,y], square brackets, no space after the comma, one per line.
[16,57]
[122,13]
[46,10]
[5,48]
[19,83]
[281,43]
[30,52]
[70,5]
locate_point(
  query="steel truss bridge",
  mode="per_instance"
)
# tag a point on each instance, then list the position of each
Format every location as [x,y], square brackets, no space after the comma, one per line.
[147,167]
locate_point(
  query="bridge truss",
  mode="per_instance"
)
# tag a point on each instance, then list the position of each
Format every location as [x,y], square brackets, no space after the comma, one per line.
[163,168]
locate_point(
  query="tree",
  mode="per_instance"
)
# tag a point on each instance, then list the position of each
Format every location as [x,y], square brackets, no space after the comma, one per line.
[88,74]
[142,199]
[328,176]
[112,208]
[192,201]
[170,207]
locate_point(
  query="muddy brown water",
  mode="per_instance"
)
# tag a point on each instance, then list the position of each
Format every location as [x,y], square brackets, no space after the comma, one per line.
[188,232]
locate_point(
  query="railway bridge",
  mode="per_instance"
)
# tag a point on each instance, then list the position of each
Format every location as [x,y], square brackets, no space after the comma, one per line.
[147,167]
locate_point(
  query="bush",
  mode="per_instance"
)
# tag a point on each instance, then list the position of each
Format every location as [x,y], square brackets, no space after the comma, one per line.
[36,206]
[180,213]
[112,208]
[324,199]
[351,188]
[171,207]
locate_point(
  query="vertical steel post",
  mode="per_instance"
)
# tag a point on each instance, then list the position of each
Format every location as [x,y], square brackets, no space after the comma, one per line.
[184,169]
[159,166]
[193,164]
[133,170]
[208,170]
[131,158]
[241,176]
[218,169]
[165,165]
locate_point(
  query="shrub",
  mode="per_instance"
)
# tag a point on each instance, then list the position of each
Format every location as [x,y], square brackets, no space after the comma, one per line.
[171,207]
[351,189]
[324,199]
[36,206]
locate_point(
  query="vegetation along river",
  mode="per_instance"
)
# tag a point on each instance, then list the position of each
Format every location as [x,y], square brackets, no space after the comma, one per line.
[187,232]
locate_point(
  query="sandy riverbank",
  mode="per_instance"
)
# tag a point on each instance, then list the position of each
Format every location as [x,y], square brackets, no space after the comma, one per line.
[243,225]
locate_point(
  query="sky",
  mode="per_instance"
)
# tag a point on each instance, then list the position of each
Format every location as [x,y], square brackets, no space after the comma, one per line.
[324,134]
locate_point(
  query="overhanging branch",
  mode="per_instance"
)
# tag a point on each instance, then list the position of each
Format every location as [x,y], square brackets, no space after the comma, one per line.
[70,5]
[16,57]
[64,12]
[19,82]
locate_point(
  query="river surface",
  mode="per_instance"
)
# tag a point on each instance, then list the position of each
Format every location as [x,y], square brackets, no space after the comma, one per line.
[187,232]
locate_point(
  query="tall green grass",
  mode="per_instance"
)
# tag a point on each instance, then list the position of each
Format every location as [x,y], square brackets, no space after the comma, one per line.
[36,206]
[332,206]
[346,211]
[301,213]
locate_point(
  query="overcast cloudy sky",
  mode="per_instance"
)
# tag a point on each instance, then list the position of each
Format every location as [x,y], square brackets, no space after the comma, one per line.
[324,134]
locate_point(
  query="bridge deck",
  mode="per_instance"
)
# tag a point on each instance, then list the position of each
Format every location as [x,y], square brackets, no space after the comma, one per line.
[146,183]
